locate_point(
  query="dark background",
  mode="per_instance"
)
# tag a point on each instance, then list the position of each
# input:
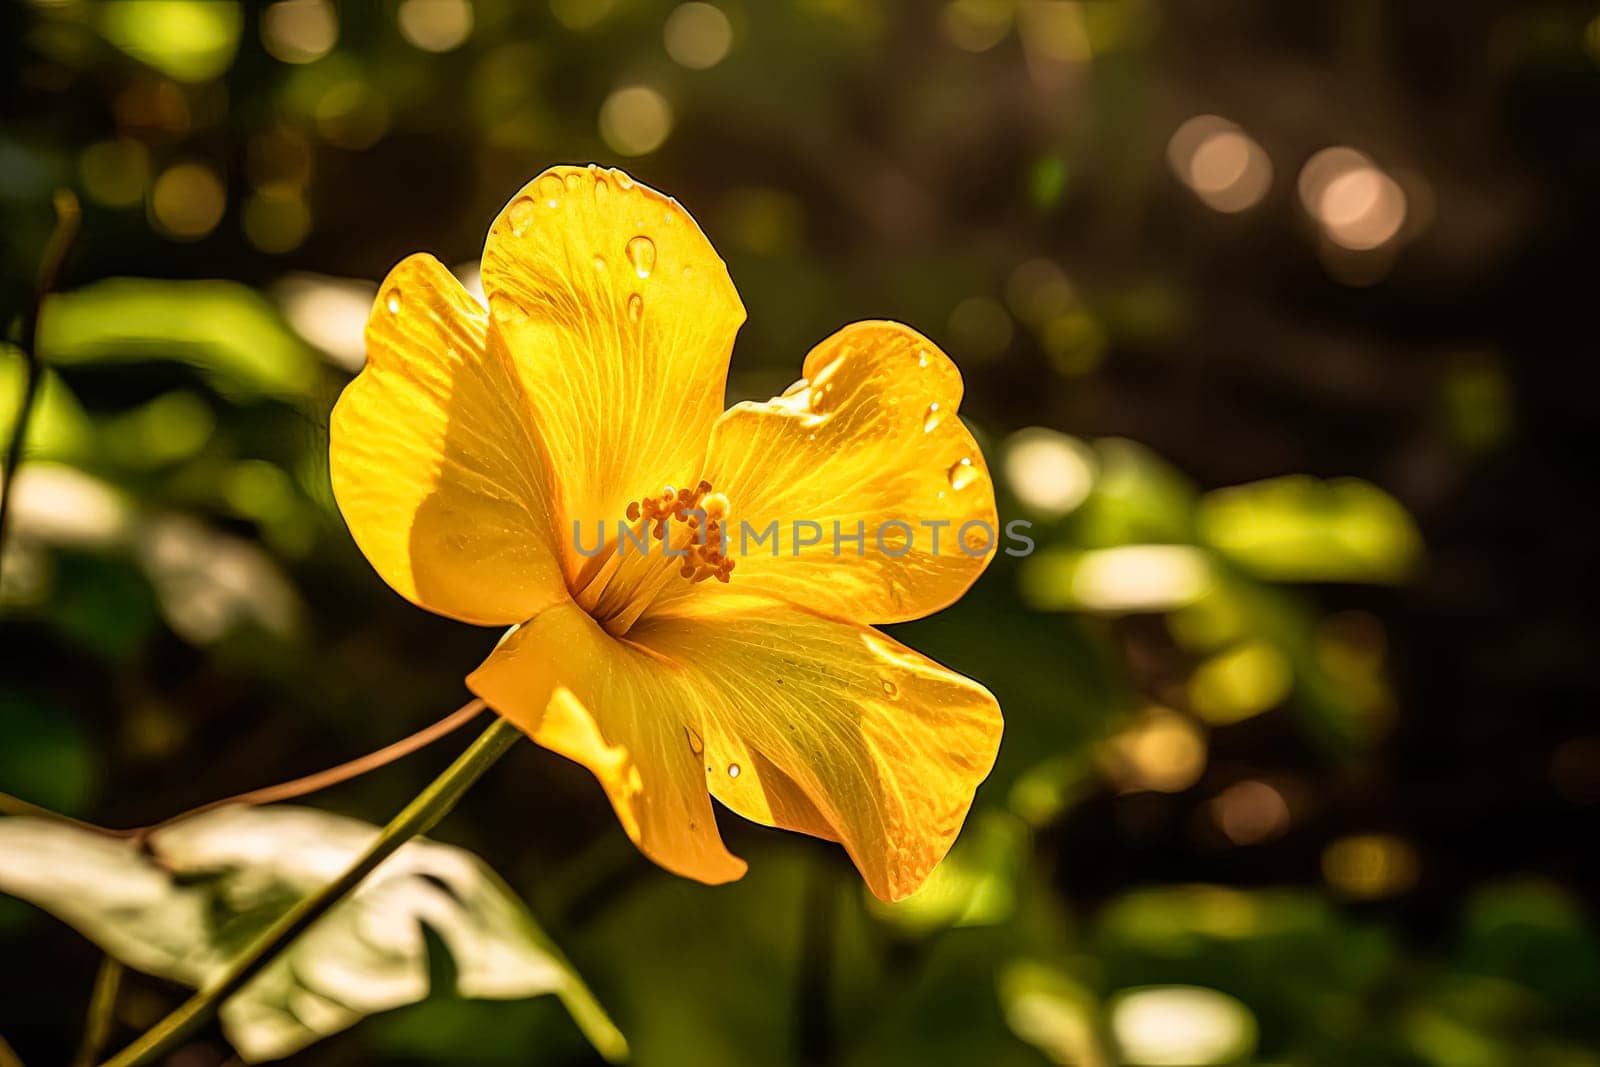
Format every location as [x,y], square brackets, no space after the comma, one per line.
[1000,176]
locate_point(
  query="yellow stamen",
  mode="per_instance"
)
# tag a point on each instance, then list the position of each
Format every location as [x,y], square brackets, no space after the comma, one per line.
[704,513]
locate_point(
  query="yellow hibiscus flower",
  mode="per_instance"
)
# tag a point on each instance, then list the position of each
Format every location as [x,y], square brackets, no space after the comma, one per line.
[479,452]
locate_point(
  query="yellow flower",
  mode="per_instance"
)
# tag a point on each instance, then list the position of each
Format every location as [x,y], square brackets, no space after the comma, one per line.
[476,453]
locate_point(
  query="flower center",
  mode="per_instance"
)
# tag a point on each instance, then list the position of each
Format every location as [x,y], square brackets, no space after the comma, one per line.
[626,575]
[704,514]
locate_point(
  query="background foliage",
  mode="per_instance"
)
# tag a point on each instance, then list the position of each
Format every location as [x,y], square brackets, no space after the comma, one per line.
[1300,763]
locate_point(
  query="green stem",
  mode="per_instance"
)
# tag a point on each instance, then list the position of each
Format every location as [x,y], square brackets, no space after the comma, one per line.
[102,1012]
[418,817]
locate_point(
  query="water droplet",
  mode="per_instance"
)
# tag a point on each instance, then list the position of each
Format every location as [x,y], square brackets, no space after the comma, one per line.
[635,307]
[623,181]
[696,745]
[688,272]
[811,437]
[551,189]
[890,689]
[392,301]
[733,770]
[642,254]
[922,359]
[599,262]
[521,214]
[963,474]
[819,398]
[932,419]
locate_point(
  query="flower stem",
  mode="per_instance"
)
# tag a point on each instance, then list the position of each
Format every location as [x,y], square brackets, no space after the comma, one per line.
[102,1012]
[55,251]
[418,817]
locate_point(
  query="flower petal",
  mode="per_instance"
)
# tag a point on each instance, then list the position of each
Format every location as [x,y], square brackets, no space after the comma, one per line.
[790,718]
[619,711]
[831,728]
[435,462]
[871,438]
[621,316]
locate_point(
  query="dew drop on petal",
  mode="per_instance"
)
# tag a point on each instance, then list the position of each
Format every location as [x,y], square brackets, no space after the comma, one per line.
[733,770]
[922,359]
[963,474]
[635,307]
[932,419]
[392,301]
[642,254]
[551,188]
[521,214]
[890,689]
[696,745]
[599,261]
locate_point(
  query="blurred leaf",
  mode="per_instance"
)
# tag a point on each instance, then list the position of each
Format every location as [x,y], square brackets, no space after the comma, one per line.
[1300,529]
[1053,1012]
[190,40]
[172,427]
[208,886]
[1137,497]
[57,428]
[227,331]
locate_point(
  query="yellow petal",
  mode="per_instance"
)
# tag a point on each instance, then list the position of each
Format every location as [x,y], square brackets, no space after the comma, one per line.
[831,728]
[435,463]
[621,317]
[870,441]
[616,709]
[790,718]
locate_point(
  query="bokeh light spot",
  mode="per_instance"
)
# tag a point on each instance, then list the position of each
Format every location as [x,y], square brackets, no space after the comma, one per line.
[1160,751]
[1250,812]
[1181,1026]
[1049,472]
[436,25]
[635,120]
[1358,206]
[1370,866]
[976,25]
[187,201]
[115,173]
[275,220]
[299,31]
[1222,164]
[698,35]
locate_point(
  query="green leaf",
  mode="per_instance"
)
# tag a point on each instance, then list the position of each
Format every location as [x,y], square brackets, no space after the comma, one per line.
[1300,529]
[57,427]
[227,331]
[208,886]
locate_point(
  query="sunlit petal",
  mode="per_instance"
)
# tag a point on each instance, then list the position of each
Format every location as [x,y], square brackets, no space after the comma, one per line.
[614,708]
[620,317]
[871,443]
[790,718]
[435,461]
